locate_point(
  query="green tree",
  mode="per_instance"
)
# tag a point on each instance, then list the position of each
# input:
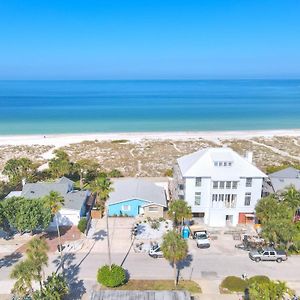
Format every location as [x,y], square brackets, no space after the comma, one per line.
[178,211]
[114,173]
[60,165]
[276,214]
[291,197]
[18,168]
[25,214]
[55,202]
[175,249]
[23,272]
[111,276]
[37,254]
[83,167]
[54,288]
[268,290]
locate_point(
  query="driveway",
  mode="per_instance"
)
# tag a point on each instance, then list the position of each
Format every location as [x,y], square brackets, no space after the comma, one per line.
[119,234]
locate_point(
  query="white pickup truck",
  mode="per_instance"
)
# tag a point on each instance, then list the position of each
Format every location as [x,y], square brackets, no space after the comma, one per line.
[202,239]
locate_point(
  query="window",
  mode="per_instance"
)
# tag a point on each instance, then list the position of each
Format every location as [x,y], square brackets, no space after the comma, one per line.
[181,187]
[220,164]
[221,197]
[197,198]
[153,208]
[272,253]
[222,184]
[228,184]
[215,197]
[225,163]
[248,182]
[234,185]
[247,199]
[229,163]
[198,181]
[266,253]
[215,163]
[215,184]
[126,207]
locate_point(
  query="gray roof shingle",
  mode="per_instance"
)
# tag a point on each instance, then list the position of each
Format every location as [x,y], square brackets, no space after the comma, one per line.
[72,199]
[285,178]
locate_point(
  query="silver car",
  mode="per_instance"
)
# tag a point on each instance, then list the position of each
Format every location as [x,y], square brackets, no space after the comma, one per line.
[268,254]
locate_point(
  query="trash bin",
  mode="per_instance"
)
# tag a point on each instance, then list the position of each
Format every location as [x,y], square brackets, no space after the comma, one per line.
[185,232]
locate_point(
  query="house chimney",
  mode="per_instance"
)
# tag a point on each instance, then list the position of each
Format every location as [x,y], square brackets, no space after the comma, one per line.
[249,156]
[23,181]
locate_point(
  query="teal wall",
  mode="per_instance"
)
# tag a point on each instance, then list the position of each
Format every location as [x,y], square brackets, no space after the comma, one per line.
[115,209]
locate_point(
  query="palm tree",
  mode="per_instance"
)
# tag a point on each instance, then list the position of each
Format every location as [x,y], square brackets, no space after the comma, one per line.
[37,254]
[55,202]
[292,198]
[178,211]
[102,187]
[175,249]
[82,167]
[23,272]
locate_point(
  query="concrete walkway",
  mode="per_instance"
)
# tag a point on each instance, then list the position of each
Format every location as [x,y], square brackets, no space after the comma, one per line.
[210,291]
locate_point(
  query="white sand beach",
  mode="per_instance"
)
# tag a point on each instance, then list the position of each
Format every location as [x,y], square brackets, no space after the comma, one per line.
[60,140]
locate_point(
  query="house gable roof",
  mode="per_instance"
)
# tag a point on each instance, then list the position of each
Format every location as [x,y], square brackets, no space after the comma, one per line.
[72,199]
[286,173]
[201,164]
[135,188]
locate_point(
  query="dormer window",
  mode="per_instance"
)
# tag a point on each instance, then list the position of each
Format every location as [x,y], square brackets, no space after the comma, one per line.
[222,163]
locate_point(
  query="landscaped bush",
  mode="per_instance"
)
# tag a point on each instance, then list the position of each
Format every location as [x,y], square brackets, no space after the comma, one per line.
[258,279]
[113,277]
[154,224]
[82,224]
[237,284]
[233,284]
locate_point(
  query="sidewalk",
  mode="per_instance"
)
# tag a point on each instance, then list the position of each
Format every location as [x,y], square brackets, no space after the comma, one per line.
[210,291]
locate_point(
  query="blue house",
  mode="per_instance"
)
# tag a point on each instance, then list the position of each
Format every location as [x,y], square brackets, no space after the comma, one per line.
[134,196]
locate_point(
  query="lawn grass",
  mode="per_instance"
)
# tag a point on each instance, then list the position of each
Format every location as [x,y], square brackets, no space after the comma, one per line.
[161,285]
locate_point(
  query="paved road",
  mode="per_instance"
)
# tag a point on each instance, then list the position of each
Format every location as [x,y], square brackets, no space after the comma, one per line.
[197,266]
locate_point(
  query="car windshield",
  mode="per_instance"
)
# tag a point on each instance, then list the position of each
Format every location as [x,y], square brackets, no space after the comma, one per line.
[202,236]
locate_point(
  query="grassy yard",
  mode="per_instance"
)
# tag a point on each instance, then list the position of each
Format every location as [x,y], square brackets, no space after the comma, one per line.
[161,285]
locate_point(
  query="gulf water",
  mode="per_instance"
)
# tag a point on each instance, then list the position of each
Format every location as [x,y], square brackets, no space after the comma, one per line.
[45,107]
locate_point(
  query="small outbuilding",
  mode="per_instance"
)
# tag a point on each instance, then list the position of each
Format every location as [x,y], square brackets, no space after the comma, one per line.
[134,196]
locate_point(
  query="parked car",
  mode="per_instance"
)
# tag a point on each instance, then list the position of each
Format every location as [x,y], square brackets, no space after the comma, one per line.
[155,251]
[202,239]
[268,254]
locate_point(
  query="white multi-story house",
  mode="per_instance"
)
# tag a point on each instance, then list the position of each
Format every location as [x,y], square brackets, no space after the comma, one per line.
[220,186]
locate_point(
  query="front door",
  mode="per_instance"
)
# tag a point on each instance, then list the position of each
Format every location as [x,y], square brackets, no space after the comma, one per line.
[141,210]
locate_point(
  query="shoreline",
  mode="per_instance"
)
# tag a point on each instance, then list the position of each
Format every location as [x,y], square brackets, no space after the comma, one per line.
[60,140]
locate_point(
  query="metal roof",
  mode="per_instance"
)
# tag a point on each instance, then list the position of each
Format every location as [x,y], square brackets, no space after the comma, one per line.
[135,188]
[202,164]
[140,295]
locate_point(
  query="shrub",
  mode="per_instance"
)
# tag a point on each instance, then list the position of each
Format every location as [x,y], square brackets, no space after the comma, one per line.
[169,173]
[113,277]
[154,224]
[161,219]
[82,224]
[258,279]
[234,284]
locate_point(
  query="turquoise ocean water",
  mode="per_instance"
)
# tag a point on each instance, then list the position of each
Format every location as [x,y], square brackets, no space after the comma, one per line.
[44,107]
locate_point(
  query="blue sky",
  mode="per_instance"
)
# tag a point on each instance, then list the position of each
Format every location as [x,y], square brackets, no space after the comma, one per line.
[95,39]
